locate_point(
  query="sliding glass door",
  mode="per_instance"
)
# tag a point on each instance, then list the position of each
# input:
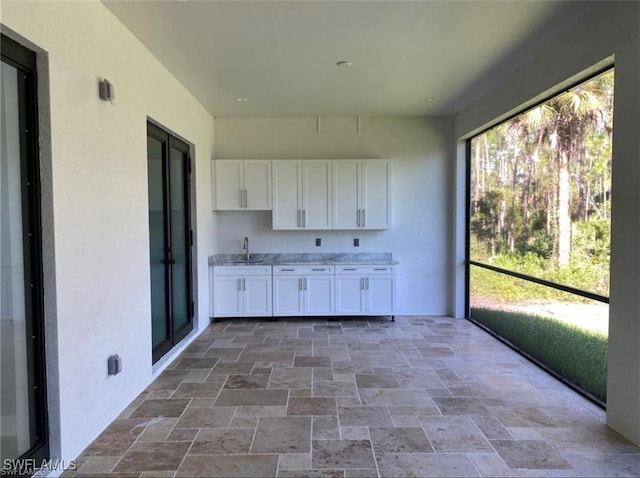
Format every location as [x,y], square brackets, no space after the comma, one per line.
[22,374]
[170,239]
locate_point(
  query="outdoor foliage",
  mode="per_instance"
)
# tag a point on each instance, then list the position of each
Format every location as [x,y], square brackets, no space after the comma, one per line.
[541,206]
[541,189]
[578,355]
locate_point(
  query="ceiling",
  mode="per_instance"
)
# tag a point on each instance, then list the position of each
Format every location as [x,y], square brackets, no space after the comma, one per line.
[407,57]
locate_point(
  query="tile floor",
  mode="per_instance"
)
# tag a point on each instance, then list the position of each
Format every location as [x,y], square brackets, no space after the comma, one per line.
[422,396]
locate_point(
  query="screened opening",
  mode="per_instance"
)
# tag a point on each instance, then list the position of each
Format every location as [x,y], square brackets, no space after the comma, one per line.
[539,232]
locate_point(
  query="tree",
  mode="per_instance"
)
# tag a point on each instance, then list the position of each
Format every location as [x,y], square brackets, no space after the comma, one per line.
[537,177]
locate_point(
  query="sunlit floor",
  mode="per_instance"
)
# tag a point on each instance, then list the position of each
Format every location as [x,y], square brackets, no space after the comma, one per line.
[422,396]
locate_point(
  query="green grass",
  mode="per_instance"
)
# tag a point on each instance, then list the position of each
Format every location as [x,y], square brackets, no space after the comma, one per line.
[580,356]
[503,288]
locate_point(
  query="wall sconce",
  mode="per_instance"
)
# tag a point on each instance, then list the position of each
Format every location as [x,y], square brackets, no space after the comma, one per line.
[106,90]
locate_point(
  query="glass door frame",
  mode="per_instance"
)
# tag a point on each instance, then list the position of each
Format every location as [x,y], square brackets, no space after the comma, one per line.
[24,60]
[169,143]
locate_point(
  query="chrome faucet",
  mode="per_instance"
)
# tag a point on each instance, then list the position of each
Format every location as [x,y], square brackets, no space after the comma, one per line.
[245,248]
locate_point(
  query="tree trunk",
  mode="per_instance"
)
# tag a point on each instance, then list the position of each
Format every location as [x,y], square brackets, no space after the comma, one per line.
[501,218]
[478,168]
[512,218]
[563,210]
[581,214]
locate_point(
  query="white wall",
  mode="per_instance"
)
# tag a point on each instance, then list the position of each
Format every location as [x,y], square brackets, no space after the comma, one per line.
[612,30]
[94,156]
[420,236]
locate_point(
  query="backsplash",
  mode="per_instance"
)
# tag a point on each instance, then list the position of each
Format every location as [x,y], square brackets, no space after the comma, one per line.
[233,226]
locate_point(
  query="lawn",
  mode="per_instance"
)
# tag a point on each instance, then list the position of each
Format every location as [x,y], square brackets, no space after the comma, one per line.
[578,355]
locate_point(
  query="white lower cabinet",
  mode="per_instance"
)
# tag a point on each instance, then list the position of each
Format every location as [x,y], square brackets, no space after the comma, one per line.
[365,290]
[243,291]
[307,290]
[284,291]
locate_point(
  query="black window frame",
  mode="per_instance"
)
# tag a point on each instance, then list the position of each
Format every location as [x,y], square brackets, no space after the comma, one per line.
[470,262]
[170,142]
[24,60]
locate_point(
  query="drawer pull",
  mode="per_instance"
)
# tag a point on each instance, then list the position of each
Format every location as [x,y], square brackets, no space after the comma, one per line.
[349,269]
[287,270]
[318,270]
[381,269]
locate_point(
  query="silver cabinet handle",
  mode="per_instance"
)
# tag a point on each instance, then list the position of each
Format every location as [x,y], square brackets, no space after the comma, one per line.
[244,192]
[362,283]
[304,218]
[364,218]
[380,269]
[244,284]
[287,270]
[358,217]
[241,198]
[239,285]
[319,270]
[298,223]
[299,283]
[349,269]
[367,282]
[305,283]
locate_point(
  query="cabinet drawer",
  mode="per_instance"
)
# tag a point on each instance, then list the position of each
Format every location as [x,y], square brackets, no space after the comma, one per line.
[303,270]
[368,270]
[241,270]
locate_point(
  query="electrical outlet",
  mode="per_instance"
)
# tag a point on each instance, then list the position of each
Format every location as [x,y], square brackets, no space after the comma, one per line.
[318,241]
[114,365]
[356,242]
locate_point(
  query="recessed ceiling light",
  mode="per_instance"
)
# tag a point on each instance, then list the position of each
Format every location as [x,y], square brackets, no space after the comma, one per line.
[343,63]
[431,99]
[242,99]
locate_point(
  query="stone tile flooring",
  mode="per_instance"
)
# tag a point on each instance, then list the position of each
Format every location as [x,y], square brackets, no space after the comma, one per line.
[362,397]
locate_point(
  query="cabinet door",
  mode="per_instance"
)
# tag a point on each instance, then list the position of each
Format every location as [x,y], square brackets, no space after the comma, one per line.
[257,296]
[346,194]
[257,184]
[376,197]
[286,193]
[316,188]
[380,294]
[227,296]
[287,295]
[349,295]
[319,295]
[228,184]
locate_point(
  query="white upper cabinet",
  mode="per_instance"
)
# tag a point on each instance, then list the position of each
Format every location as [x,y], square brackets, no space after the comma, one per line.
[287,194]
[316,193]
[241,184]
[347,194]
[257,184]
[302,194]
[361,194]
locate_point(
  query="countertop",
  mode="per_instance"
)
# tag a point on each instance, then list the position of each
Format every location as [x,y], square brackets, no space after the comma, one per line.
[274,259]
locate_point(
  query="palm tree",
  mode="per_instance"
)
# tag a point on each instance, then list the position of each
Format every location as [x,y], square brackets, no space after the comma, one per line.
[575,114]
[562,125]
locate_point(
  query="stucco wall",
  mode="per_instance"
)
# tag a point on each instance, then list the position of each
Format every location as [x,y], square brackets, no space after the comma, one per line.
[422,157]
[95,194]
